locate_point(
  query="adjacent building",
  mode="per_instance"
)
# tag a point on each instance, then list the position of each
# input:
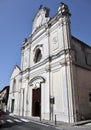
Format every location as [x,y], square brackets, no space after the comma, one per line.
[4,93]
[55,73]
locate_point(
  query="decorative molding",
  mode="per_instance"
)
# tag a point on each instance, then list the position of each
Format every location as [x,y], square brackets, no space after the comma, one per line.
[38,46]
[25,71]
[47,68]
[27,77]
[49,59]
[25,45]
[20,80]
[42,80]
[41,18]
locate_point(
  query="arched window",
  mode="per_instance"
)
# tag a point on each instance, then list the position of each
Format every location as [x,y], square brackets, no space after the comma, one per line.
[37,56]
[14,85]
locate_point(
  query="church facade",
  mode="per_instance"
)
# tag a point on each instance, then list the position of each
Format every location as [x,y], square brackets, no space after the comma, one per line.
[55,74]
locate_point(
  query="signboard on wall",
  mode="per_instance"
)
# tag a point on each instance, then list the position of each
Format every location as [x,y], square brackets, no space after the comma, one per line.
[52,100]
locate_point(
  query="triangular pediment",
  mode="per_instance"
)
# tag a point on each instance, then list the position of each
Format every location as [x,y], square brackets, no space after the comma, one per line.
[16,71]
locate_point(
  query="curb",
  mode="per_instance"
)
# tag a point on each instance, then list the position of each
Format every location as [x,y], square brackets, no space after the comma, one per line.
[58,124]
[81,123]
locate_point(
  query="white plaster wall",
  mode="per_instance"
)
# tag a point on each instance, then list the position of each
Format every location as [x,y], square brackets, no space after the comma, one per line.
[25,58]
[29,111]
[56,39]
[45,93]
[14,93]
[24,97]
[59,91]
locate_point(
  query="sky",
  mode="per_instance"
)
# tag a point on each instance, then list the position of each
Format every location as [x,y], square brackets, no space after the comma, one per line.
[16,24]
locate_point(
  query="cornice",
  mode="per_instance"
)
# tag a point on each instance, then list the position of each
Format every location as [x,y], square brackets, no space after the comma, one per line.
[35,35]
[46,26]
[25,45]
[82,66]
[48,59]
[25,71]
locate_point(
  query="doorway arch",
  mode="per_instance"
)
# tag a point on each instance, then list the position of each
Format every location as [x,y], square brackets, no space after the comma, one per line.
[36,83]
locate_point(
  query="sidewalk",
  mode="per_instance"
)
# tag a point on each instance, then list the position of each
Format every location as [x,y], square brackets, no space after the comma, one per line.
[47,122]
[59,124]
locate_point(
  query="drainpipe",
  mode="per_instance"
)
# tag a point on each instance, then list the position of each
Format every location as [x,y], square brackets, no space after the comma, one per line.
[23,104]
[40,101]
[49,71]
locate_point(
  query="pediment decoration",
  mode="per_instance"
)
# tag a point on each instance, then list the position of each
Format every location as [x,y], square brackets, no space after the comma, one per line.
[37,79]
[41,18]
[16,70]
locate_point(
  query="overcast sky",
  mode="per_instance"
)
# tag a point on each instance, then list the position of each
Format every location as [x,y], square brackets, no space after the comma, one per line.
[16,24]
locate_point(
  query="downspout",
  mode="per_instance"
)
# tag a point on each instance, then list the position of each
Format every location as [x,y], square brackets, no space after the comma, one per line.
[27,102]
[49,72]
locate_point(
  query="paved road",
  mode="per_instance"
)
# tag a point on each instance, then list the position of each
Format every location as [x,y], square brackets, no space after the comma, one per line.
[13,123]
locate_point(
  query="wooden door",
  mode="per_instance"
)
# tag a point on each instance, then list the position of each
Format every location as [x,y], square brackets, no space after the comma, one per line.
[36,102]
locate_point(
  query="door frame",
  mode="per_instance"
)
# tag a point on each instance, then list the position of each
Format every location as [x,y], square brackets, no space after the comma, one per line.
[36,102]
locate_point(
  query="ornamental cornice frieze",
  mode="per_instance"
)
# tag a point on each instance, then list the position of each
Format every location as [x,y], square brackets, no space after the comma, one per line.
[48,59]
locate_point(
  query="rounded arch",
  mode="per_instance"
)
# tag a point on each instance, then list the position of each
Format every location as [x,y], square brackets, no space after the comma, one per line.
[41,79]
[14,85]
[38,55]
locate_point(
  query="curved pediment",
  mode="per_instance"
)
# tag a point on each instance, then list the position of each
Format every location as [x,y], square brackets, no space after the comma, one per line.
[38,78]
[41,18]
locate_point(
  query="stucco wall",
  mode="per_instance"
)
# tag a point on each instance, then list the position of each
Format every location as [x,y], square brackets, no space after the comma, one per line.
[83,87]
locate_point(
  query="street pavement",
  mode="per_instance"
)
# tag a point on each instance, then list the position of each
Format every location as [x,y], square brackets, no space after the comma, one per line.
[11,122]
[14,123]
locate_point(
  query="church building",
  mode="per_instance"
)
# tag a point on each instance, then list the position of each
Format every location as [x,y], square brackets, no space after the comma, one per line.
[55,74]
